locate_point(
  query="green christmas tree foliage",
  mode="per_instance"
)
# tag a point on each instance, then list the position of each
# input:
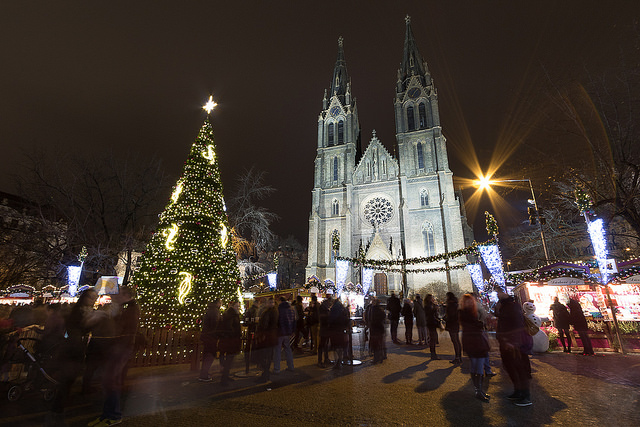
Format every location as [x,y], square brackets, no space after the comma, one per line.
[189,260]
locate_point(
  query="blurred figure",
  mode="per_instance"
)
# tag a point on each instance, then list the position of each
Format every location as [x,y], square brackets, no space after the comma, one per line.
[230,339]
[453,325]
[561,320]
[376,326]
[433,321]
[421,320]
[209,338]
[394,308]
[313,322]
[407,314]
[515,347]
[579,323]
[267,337]
[324,332]
[474,341]
[301,331]
[286,328]
[338,324]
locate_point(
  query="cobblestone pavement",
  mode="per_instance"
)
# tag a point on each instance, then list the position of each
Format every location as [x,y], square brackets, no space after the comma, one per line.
[407,389]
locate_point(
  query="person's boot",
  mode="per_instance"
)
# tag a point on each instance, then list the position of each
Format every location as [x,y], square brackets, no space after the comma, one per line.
[477,385]
[434,356]
[525,400]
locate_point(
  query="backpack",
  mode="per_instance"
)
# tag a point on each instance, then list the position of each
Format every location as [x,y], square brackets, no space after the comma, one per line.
[530,327]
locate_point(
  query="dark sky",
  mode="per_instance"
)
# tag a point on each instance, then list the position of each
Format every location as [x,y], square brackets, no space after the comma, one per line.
[133,75]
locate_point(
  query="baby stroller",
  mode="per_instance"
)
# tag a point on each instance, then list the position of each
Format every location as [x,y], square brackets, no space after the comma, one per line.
[24,372]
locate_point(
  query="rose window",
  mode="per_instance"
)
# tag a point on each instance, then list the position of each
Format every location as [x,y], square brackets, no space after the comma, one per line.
[378,211]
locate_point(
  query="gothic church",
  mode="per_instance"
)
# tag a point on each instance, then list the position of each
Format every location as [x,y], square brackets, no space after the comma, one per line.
[390,207]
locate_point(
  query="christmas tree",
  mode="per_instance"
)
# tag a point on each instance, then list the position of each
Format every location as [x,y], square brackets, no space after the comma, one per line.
[189,260]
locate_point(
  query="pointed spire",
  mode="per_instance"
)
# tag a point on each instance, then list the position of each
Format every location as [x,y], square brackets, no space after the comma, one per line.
[340,75]
[412,63]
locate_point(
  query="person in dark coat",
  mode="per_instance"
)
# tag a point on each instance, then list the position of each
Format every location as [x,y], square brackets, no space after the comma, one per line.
[230,339]
[313,322]
[474,341]
[561,320]
[209,338]
[376,320]
[515,347]
[407,313]
[286,328]
[324,333]
[301,329]
[267,337]
[394,308]
[421,320]
[338,324]
[579,323]
[453,325]
[431,313]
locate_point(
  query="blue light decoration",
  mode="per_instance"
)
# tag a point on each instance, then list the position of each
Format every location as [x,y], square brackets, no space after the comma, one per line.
[596,232]
[493,260]
[342,268]
[73,277]
[475,271]
[367,279]
[272,277]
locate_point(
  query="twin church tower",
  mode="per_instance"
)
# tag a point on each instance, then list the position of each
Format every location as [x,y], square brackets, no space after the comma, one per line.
[388,207]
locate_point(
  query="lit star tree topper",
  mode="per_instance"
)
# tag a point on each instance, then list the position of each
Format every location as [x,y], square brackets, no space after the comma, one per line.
[189,260]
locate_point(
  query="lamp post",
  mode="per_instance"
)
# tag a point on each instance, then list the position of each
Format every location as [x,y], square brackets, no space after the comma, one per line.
[485,182]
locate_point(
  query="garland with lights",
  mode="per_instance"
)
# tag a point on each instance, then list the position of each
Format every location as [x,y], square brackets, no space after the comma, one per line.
[378,264]
[189,260]
[583,201]
[426,270]
[335,240]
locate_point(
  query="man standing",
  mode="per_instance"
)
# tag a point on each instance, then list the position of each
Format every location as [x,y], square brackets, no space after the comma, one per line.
[230,339]
[209,338]
[286,327]
[579,323]
[313,321]
[561,320]
[394,308]
[300,328]
[267,337]
[126,320]
[323,347]
[515,346]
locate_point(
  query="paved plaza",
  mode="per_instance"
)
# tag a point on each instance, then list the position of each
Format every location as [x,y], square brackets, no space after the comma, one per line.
[407,389]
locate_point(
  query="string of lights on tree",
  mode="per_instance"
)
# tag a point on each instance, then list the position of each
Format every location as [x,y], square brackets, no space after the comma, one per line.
[189,260]
[492,225]
[583,201]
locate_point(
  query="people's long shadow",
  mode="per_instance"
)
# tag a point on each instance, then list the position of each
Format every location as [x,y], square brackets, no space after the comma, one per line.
[434,379]
[405,373]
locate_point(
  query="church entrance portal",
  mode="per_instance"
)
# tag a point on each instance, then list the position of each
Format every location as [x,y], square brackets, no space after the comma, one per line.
[380,284]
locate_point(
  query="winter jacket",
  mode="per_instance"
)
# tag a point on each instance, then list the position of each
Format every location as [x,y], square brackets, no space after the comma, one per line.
[511,328]
[394,307]
[286,319]
[561,317]
[451,316]
[475,342]
[418,311]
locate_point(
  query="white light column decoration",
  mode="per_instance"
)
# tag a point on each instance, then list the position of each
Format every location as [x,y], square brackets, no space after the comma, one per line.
[342,268]
[493,260]
[367,279]
[599,242]
[73,273]
[475,271]
[273,276]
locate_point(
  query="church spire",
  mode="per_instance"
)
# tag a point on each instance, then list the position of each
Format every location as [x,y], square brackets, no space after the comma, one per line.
[412,63]
[339,84]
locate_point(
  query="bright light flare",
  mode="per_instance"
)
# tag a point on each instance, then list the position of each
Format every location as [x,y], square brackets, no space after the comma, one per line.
[209,106]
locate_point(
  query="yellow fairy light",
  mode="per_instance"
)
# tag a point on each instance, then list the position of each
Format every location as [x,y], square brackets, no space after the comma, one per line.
[224,235]
[172,235]
[185,286]
[176,192]
[209,154]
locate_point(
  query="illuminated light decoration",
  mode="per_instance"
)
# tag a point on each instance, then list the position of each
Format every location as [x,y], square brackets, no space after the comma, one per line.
[209,154]
[224,235]
[367,279]
[172,235]
[493,260]
[273,279]
[342,268]
[73,273]
[176,192]
[596,232]
[210,105]
[475,271]
[492,225]
[185,286]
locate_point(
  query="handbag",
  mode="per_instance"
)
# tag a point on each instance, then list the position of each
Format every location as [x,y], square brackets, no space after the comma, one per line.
[530,327]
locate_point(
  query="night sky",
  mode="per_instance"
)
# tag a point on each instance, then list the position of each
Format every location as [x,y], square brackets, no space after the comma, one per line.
[133,75]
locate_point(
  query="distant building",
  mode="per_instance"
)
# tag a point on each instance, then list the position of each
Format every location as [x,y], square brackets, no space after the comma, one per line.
[390,205]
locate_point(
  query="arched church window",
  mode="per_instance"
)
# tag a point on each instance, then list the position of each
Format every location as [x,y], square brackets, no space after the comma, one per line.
[427,239]
[410,119]
[330,135]
[335,169]
[340,132]
[422,112]
[420,156]
[335,208]
[424,198]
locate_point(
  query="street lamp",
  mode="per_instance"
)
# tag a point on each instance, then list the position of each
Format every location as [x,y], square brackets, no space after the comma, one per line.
[484,183]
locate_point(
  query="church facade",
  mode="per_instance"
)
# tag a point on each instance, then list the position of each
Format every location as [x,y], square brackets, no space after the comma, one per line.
[386,206]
